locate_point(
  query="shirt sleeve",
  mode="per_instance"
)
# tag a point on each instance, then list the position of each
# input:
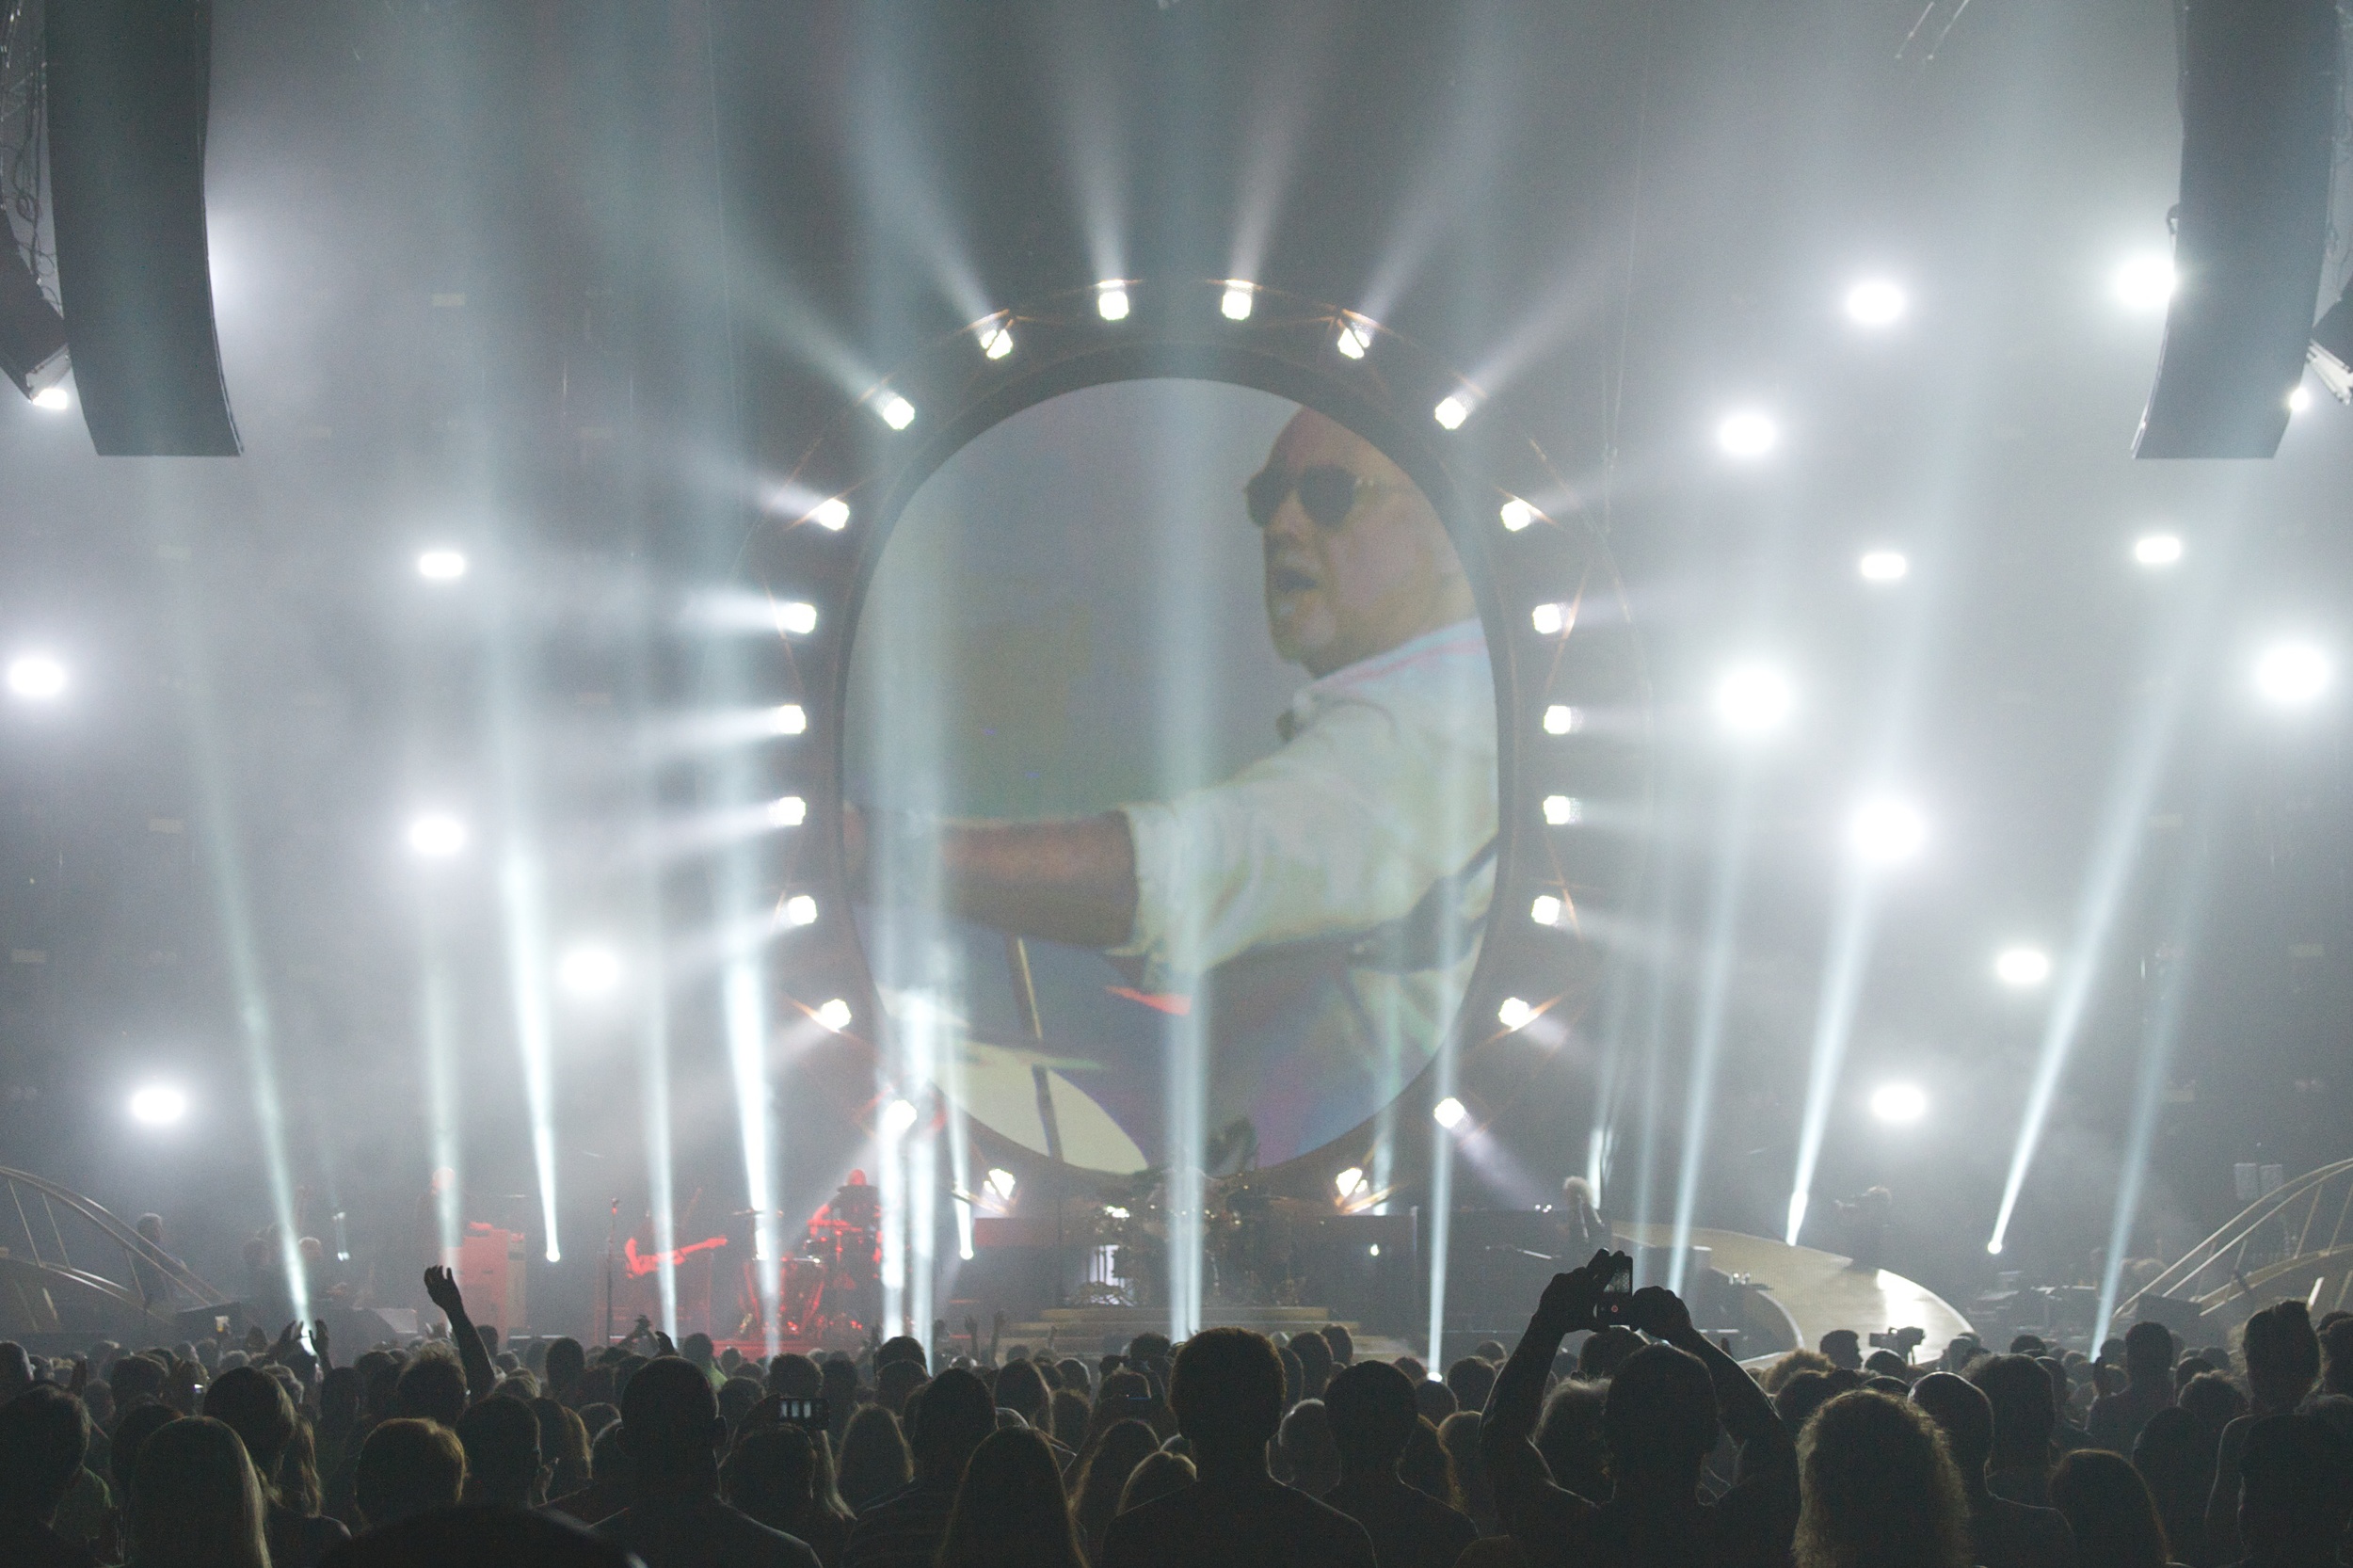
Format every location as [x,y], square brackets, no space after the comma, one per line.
[1343,827]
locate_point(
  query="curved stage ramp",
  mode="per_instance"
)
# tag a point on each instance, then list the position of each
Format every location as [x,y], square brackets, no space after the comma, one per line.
[70,1272]
[2295,1242]
[1802,1293]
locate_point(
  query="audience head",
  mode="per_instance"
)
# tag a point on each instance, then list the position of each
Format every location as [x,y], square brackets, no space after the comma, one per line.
[2282,1356]
[772,1476]
[957,1413]
[195,1499]
[1315,1364]
[44,1434]
[796,1377]
[432,1388]
[1147,1347]
[2214,1401]
[1604,1351]
[1340,1343]
[135,1378]
[2109,1509]
[1066,1419]
[131,1433]
[1659,1417]
[1370,1411]
[1304,1444]
[1844,1346]
[902,1347]
[1965,1417]
[2149,1354]
[1226,1389]
[2023,1414]
[1426,1465]
[565,1364]
[256,1408]
[1569,1436]
[407,1466]
[1160,1474]
[2336,1355]
[16,1371]
[1434,1400]
[2294,1472]
[1104,1478]
[1010,1511]
[1021,1390]
[1877,1486]
[502,1442]
[736,1398]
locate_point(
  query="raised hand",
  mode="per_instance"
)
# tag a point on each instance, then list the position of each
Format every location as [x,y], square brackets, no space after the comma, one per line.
[1661,1313]
[81,1377]
[440,1287]
[318,1341]
[1567,1305]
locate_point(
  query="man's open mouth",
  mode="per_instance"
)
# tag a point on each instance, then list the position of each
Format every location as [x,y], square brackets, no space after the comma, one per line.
[1288,580]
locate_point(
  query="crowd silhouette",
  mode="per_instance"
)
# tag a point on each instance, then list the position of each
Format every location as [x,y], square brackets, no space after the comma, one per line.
[1646,1445]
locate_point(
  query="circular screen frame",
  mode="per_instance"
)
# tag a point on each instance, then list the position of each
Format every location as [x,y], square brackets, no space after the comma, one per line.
[1573,700]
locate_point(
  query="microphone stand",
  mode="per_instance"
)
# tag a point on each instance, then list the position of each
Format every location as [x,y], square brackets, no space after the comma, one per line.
[612,1224]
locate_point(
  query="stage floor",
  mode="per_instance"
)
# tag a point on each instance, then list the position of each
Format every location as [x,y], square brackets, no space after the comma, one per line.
[1819,1291]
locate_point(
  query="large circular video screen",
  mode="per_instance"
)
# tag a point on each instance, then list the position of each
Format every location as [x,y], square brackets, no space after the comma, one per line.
[1171,757]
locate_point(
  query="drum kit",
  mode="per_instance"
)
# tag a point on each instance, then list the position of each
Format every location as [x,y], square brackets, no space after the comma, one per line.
[829,1293]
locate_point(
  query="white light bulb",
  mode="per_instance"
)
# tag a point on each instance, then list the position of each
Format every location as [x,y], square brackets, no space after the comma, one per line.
[1754,699]
[1449,1112]
[158,1105]
[1884,832]
[1516,515]
[1564,810]
[1237,301]
[53,399]
[1561,719]
[442,566]
[1883,565]
[589,971]
[797,618]
[788,812]
[1111,302]
[1876,302]
[1545,910]
[897,411]
[788,718]
[2292,674]
[1000,1181]
[1514,1013]
[832,515]
[897,1117]
[1550,620]
[1354,339]
[996,340]
[1746,434]
[436,835]
[2144,283]
[2157,550]
[2299,399]
[1347,1181]
[2022,966]
[1450,413]
[36,676]
[800,909]
[834,1015]
[1899,1104]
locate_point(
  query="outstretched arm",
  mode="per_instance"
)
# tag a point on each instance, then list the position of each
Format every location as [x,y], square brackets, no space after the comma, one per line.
[1526,1496]
[442,1286]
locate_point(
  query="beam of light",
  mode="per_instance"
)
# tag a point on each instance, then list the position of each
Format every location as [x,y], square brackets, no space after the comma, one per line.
[724,610]
[53,399]
[2292,674]
[793,502]
[437,1022]
[218,838]
[1567,307]
[746,1024]
[1293,65]
[1455,168]
[662,843]
[2161,1029]
[1441,1215]
[1848,956]
[2132,785]
[720,729]
[1707,1027]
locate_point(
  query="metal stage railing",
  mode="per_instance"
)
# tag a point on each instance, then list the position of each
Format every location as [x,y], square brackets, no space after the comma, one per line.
[120,1282]
[2297,1242]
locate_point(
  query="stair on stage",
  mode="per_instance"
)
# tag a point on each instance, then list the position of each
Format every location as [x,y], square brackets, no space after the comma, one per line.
[1087,1332]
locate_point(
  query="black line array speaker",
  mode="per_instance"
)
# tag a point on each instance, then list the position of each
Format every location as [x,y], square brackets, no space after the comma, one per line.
[129,89]
[2259,93]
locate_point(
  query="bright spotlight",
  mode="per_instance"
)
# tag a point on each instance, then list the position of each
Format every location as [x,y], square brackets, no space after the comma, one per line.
[1516,515]
[832,515]
[1754,699]
[2292,674]
[835,1014]
[1561,719]
[1994,1247]
[2143,283]
[1000,1181]
[1876,302]
[1550,620]
[996,340]
[54,399]
[897,411]
[1449,1112]
[1111,302]
[589,970]
[1450,413]
[36,676]
[800,909]
[1746,434]
[1883,565]
[797,618]
[2157,550]
[788,718]
[1563,811]
[1514,1013]
[2299,399]
[1899,1104]
[2022,966]
[1887,831]
[442,566]
[1546,910]
[897,1117]
[436,835]
[158,1105]
[1350,1181]
[1237,301]
[1354,339]
[788,812]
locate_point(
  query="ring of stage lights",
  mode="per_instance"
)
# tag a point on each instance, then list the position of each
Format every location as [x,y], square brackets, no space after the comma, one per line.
[1570,697]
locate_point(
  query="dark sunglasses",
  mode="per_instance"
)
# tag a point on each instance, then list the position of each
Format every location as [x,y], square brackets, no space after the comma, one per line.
[1327,493]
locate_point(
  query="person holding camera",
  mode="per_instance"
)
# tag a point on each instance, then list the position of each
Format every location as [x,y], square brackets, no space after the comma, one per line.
[1659,1422]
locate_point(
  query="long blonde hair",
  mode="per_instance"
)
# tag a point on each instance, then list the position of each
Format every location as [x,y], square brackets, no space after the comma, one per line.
[195,1500]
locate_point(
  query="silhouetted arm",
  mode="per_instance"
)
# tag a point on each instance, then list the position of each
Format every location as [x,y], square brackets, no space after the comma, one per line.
[481,1377]
[1528,1500]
